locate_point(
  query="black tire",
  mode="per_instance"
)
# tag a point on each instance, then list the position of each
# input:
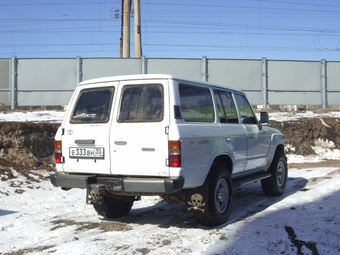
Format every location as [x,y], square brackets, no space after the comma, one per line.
[110,207]
[276,184]
[219,197]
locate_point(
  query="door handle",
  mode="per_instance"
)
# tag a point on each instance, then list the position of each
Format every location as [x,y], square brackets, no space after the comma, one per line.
[85,141]
[120,142]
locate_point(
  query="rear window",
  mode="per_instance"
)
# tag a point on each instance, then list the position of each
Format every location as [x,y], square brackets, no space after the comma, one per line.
[93,106]
[141,103]
[196,104]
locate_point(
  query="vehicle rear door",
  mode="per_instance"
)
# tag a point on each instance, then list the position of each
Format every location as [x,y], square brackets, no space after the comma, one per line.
[85,142]
[139,137]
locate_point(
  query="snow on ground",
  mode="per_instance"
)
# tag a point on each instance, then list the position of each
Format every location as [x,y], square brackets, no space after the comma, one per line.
[289,116]
[34,116]
[57,116]
[37,218]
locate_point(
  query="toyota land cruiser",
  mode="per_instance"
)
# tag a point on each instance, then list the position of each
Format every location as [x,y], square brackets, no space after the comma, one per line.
[188,141]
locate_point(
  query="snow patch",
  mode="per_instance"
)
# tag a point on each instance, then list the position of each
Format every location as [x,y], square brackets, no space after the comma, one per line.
[324,123]
[325,149]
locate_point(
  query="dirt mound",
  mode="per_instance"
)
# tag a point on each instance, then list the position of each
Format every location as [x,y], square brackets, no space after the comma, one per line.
[27,145]
[302,136]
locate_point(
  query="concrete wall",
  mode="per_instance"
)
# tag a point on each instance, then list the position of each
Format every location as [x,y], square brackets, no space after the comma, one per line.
[50,82]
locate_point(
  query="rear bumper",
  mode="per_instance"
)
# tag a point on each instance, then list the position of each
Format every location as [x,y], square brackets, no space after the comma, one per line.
[119,185]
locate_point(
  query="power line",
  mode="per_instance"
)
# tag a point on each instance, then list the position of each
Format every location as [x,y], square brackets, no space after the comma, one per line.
[79,27]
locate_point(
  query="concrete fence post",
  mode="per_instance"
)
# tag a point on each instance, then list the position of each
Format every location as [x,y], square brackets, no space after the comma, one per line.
[144,65]
[264,83]
[323,79]
[14,85]
[79,64]
[204,69]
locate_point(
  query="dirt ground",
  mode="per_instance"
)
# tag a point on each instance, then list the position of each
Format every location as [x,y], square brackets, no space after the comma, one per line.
[302,135]
[29,145]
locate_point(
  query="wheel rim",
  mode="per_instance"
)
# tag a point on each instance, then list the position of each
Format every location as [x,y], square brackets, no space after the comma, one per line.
[281,173]
[221,195]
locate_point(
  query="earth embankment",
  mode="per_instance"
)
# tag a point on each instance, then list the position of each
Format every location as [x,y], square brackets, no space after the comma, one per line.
[29,145]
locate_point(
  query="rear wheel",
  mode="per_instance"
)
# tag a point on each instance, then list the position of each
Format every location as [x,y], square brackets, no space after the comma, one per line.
[276,184]
[110,207]
[219,197]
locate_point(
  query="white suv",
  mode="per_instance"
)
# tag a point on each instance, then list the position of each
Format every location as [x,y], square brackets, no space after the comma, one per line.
[140,135]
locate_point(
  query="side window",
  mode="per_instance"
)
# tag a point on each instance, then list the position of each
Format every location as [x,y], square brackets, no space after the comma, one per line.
[228,107]
[141,103]
[219,105]
[245,109]
[196,104]
[93,106]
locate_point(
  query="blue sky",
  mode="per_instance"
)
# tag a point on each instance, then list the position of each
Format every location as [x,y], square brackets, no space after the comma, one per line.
[233,29]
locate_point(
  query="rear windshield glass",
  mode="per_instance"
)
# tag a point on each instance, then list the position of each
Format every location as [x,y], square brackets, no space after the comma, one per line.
[141,103]
[196,104]
[93,106]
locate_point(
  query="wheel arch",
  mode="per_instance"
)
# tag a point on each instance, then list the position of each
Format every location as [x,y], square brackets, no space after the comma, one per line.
[279,148]
[224,160]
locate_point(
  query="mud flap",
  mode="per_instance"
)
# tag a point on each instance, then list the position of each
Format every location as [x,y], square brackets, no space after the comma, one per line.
[196,200]
[93,193]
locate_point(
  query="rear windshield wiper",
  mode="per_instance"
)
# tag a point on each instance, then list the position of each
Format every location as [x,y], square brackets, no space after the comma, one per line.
[85,116]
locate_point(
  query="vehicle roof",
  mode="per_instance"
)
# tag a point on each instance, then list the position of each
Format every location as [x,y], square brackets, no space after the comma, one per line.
[132,77]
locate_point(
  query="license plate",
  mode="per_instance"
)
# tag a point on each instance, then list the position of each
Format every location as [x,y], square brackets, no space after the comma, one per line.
[96,153]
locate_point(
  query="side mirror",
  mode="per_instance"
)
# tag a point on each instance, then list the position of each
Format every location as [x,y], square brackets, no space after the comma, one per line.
[264,118]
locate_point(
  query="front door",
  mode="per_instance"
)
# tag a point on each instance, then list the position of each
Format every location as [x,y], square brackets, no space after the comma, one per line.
[257,139]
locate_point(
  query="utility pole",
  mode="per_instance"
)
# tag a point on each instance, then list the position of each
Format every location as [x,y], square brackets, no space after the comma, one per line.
[126,28]
[121,30]
[137,29]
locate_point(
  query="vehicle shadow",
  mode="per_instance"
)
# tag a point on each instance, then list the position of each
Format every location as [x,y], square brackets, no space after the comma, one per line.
[6,212]
[247,201]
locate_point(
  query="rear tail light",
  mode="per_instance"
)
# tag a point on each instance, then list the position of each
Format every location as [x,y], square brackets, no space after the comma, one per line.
[58,153]
[175,153]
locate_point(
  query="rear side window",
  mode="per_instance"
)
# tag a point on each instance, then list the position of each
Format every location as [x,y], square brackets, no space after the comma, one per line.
[93,106]
[196,104]
[141,103]
[225,106]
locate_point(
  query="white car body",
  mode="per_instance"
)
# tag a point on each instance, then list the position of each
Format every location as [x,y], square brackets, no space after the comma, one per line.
[128,135]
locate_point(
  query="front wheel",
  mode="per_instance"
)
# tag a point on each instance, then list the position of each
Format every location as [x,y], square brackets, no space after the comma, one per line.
[276,184]
[219,197]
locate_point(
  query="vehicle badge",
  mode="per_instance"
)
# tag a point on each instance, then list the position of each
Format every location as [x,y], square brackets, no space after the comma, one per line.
[69,132]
